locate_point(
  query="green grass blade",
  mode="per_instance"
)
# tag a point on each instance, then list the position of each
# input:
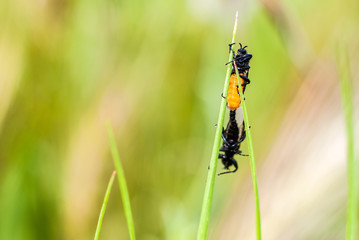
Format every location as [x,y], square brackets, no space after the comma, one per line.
[122,183]
[251,158]
[347,100]
[104,205]
[208,194]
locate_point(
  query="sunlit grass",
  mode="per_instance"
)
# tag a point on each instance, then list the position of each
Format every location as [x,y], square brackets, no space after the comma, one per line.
[64,64]
[104,205]
[122,183]
[347,101]
[251,158]
[208,194]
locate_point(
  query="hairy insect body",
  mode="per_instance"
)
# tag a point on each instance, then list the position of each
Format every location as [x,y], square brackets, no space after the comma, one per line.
[241,62]
[233,97]
[234,134]
[232,137]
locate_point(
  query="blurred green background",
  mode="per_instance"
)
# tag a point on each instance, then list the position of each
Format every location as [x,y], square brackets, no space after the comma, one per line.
[155,70]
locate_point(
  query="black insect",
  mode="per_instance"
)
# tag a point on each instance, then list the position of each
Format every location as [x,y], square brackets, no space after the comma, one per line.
[232,137]
[241,61]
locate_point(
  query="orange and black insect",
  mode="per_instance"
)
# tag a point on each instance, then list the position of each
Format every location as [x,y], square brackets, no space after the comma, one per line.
[235,133]
[232,137]
[241,61]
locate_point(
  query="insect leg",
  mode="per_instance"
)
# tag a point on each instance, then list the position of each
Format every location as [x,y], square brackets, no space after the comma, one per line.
[231,49]
[246,82]
[246,79]
[234,162]
[228,62]
[244,155]
[235,165]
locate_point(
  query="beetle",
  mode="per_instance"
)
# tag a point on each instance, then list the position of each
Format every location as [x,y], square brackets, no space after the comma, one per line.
[232,136]
[241,61]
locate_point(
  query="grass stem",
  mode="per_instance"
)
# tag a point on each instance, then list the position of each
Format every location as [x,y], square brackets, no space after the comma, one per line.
[104,205]
[347,101]
[122,183]
[251,158]
[208,193]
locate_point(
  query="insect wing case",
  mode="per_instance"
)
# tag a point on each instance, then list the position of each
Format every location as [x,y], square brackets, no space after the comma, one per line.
[235,130]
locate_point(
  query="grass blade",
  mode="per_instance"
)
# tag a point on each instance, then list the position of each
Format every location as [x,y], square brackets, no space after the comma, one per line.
[208,193]
[347,100]
[122,183]
[104,205]
[251,158]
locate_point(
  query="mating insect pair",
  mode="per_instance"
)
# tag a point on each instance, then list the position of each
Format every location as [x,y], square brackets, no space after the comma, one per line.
[234,134]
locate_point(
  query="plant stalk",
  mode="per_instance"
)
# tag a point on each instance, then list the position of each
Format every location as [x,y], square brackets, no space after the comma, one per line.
[104,205]
[251,157]
[208,193]
[122,183]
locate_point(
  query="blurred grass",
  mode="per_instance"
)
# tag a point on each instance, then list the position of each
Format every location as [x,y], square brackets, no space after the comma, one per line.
[121,183]
[352,166]
[104,205]
[155,69]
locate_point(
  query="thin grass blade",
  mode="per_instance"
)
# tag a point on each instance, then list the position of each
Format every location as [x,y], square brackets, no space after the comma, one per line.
[122,183]
[208,193]
[347,101]
[251,158]
[104,205]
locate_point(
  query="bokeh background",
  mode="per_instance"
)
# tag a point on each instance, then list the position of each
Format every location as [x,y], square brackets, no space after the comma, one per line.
[155,70]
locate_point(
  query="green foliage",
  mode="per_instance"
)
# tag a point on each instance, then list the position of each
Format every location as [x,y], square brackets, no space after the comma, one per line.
[347,102]
[122,183]
[208,194]
[251,157]
[155,69]
[104,205]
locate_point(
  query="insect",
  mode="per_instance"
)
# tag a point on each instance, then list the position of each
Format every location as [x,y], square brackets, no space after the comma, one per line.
[232,136]
[241,61]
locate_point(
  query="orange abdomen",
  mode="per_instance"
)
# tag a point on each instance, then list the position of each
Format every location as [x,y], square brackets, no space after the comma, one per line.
[233,97]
